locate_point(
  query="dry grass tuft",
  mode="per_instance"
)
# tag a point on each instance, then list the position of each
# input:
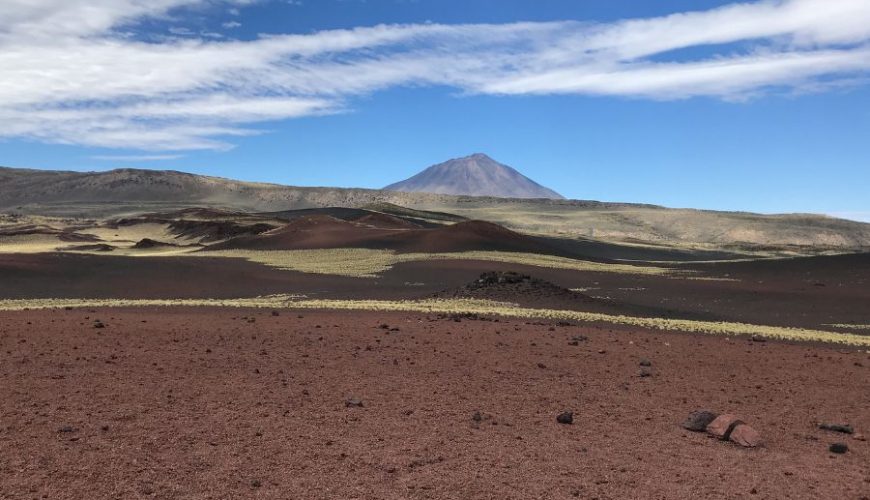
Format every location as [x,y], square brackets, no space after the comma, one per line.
[366,263]
[452,306]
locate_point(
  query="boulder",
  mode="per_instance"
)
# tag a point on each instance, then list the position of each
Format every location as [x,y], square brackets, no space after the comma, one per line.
[745,436]
[722,426]
[698,420]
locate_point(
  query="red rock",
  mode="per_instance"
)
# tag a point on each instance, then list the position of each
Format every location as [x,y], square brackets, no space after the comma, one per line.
[722,426]
[745,436]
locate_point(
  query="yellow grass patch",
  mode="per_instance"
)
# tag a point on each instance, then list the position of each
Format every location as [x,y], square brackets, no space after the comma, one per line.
[451,306]
[366,263]
[32,243]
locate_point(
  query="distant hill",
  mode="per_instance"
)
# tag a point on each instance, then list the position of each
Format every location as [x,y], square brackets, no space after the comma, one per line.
[475,175]
[127,192]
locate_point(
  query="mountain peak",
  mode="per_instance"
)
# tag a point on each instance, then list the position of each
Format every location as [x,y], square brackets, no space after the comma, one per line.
[474,175]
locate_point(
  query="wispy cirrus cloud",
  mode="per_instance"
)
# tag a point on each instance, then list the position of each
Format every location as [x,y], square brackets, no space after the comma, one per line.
[146,158]
[70,77]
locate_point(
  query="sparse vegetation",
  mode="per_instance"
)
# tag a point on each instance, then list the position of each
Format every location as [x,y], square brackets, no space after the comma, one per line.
[366,263]
[465,306]
[848,326]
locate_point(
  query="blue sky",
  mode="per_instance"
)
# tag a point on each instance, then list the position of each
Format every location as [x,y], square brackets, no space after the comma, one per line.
[759,106]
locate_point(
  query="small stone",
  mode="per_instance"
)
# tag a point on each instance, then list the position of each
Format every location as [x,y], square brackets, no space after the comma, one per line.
[838,448]
[256,483]
[66,429]
[757,338]
[542,366]
[353,403]
[477,417]
[845,429]
[275,313]
[565,418]
[99,324]
[698,420]
[645,362]
[722,426]
[745,436]
[644,373]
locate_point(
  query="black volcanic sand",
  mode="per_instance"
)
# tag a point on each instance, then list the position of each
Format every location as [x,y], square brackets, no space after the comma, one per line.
[185,403]
[806,292]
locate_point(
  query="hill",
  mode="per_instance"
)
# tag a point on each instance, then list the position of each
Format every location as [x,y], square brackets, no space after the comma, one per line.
[130,192]
[324,231]
[475,175]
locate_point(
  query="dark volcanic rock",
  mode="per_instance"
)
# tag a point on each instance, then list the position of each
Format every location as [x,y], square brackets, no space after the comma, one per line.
[565,418]
[697,421]
[838,448]
[845,429]
[521,288]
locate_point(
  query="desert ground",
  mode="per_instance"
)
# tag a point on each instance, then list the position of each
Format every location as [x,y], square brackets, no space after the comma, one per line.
[360,353]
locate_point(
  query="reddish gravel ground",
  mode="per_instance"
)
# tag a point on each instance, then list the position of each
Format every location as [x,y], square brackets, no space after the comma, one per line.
[203,403]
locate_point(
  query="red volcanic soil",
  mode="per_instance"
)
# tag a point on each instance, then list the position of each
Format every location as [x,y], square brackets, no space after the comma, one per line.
[385,221]
[233,403]
[323,231]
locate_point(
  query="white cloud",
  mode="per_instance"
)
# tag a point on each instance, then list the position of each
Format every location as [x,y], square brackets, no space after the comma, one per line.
[136,157]
[70,77]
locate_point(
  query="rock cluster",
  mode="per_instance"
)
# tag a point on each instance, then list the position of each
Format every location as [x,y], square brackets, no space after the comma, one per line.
[725,427]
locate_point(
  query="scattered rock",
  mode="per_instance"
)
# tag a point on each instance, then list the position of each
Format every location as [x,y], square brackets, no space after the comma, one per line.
[845,429]
[698,420]
[353,403]
[645,362]
[477,417]
[256,483]
[757,338]
[645,372]
[275,313]
[99,324]
[745,436]
[66,429]
[838,448]
[722,426]
[565,418]
[542,366]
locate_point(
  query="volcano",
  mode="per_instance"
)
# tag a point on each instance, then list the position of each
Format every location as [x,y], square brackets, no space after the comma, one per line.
[475,175]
